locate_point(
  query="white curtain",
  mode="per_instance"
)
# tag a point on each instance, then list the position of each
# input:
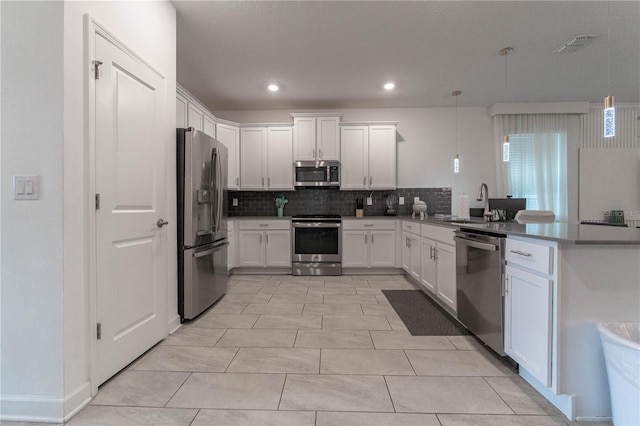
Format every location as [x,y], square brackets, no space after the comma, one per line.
[537,169]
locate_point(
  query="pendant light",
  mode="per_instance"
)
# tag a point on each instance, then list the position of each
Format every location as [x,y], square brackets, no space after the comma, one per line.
[505,143]
[456,157]
[609,108]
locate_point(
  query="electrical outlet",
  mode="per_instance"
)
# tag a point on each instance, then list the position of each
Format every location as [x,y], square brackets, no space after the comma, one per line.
[401,201]
[369,201]
[416,199]
[235,202]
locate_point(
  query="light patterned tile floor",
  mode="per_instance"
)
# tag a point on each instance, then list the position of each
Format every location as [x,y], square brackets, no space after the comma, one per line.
[314,351]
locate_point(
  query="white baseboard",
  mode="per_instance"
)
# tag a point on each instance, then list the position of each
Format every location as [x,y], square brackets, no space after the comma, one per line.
[77,400]
[26,408]
[174,324]
[565,403]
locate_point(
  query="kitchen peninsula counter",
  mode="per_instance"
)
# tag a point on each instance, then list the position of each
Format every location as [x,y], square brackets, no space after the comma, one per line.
[564,233]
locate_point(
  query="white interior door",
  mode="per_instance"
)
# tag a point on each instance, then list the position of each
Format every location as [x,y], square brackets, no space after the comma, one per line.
[130,176]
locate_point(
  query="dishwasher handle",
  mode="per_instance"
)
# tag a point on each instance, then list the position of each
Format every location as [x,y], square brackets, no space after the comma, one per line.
[478,244]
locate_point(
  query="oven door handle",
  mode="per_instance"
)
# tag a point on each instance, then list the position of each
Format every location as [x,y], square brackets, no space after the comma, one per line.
[478,245]
[316,225]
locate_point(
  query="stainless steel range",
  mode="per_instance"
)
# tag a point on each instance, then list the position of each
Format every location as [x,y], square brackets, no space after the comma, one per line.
[317,245]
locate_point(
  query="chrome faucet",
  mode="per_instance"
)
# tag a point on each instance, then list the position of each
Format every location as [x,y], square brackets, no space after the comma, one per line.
[487,214]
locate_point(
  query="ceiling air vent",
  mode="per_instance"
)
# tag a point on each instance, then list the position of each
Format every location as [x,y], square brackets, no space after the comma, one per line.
[576,43]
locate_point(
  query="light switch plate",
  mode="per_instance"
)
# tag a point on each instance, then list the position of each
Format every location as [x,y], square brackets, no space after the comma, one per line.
[235,202]
[26,188]
[401,201]
[369,201]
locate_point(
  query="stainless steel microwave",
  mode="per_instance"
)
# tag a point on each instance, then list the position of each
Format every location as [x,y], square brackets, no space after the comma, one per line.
[316,173]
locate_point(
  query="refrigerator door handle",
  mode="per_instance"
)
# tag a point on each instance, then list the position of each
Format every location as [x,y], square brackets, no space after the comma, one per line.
[212,188]
[219,192]
[209,251]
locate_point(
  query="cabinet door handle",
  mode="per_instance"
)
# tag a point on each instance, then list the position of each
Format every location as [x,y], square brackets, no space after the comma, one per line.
[365,239]
[320,152]
[263,182]
[371,239]
[237,181]
[435,254]
[364,181]
[263,225]
[370,180]
[260,238]
[368,224]
[521,253]
[266,236]
[314,153]
[269,181]
[506,285]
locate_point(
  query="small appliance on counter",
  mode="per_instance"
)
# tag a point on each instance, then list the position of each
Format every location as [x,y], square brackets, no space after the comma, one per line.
[391,202]
[359,207]
[419,207]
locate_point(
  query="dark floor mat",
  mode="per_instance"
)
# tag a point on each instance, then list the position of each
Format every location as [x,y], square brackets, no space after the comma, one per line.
[421,315]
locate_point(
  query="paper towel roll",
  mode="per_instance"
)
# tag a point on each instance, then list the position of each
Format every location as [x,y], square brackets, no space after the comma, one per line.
[463,207]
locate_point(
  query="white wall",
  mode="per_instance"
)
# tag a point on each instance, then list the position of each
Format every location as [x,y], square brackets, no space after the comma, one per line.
[45,302]
[32,236]
[426,144]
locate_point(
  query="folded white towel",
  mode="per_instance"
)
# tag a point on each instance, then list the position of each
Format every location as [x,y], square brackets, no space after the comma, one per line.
[535,216]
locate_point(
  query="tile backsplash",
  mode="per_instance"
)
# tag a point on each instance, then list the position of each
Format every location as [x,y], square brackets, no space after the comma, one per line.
[334,201]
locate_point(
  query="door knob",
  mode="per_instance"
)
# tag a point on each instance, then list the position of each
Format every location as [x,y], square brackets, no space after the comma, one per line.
[161,222]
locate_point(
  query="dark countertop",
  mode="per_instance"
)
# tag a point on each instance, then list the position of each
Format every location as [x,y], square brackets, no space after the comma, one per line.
[565,233]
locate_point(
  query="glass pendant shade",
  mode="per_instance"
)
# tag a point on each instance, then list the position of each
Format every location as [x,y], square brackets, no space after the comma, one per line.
[609,117]
[505,149]
[456,164]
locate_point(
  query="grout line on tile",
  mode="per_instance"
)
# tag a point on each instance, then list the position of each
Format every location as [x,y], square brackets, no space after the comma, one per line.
[179,387]
[389,393]
[499,396]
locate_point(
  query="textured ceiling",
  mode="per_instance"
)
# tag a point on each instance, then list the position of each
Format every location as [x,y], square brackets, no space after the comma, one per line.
[337,54]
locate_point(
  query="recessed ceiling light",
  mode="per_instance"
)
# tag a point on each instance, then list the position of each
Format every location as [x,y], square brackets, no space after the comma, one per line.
[389,86]
[273,87]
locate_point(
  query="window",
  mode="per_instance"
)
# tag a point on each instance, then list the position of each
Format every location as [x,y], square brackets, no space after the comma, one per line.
[538,168]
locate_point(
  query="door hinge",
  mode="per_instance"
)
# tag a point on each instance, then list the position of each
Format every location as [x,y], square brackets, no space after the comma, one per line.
[96,69]
[97,201]
[99,331]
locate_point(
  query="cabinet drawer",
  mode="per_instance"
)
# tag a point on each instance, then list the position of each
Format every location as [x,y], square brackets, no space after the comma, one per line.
[412,227]
[263,224]
[368,224]
[537,257]
[438,233]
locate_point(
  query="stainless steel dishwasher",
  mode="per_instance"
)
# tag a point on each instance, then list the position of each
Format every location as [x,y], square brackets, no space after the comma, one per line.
[479,275]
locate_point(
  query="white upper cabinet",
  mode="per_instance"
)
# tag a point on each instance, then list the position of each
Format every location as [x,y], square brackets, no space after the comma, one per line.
[368,157]
[382,157]
[209,126]
[355,151]
[195,117]
[280,158]
[230,136]
[253,145]
[181,111]
[266,158]
[316,138]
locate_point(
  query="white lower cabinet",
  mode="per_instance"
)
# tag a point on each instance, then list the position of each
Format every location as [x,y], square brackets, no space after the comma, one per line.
[446,274]
[231,249]
[264,244]
[411,251]
[368,243]
[429,257]
[529,307]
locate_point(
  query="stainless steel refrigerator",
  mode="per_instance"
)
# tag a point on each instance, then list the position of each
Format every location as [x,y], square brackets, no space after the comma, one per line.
[202,221]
